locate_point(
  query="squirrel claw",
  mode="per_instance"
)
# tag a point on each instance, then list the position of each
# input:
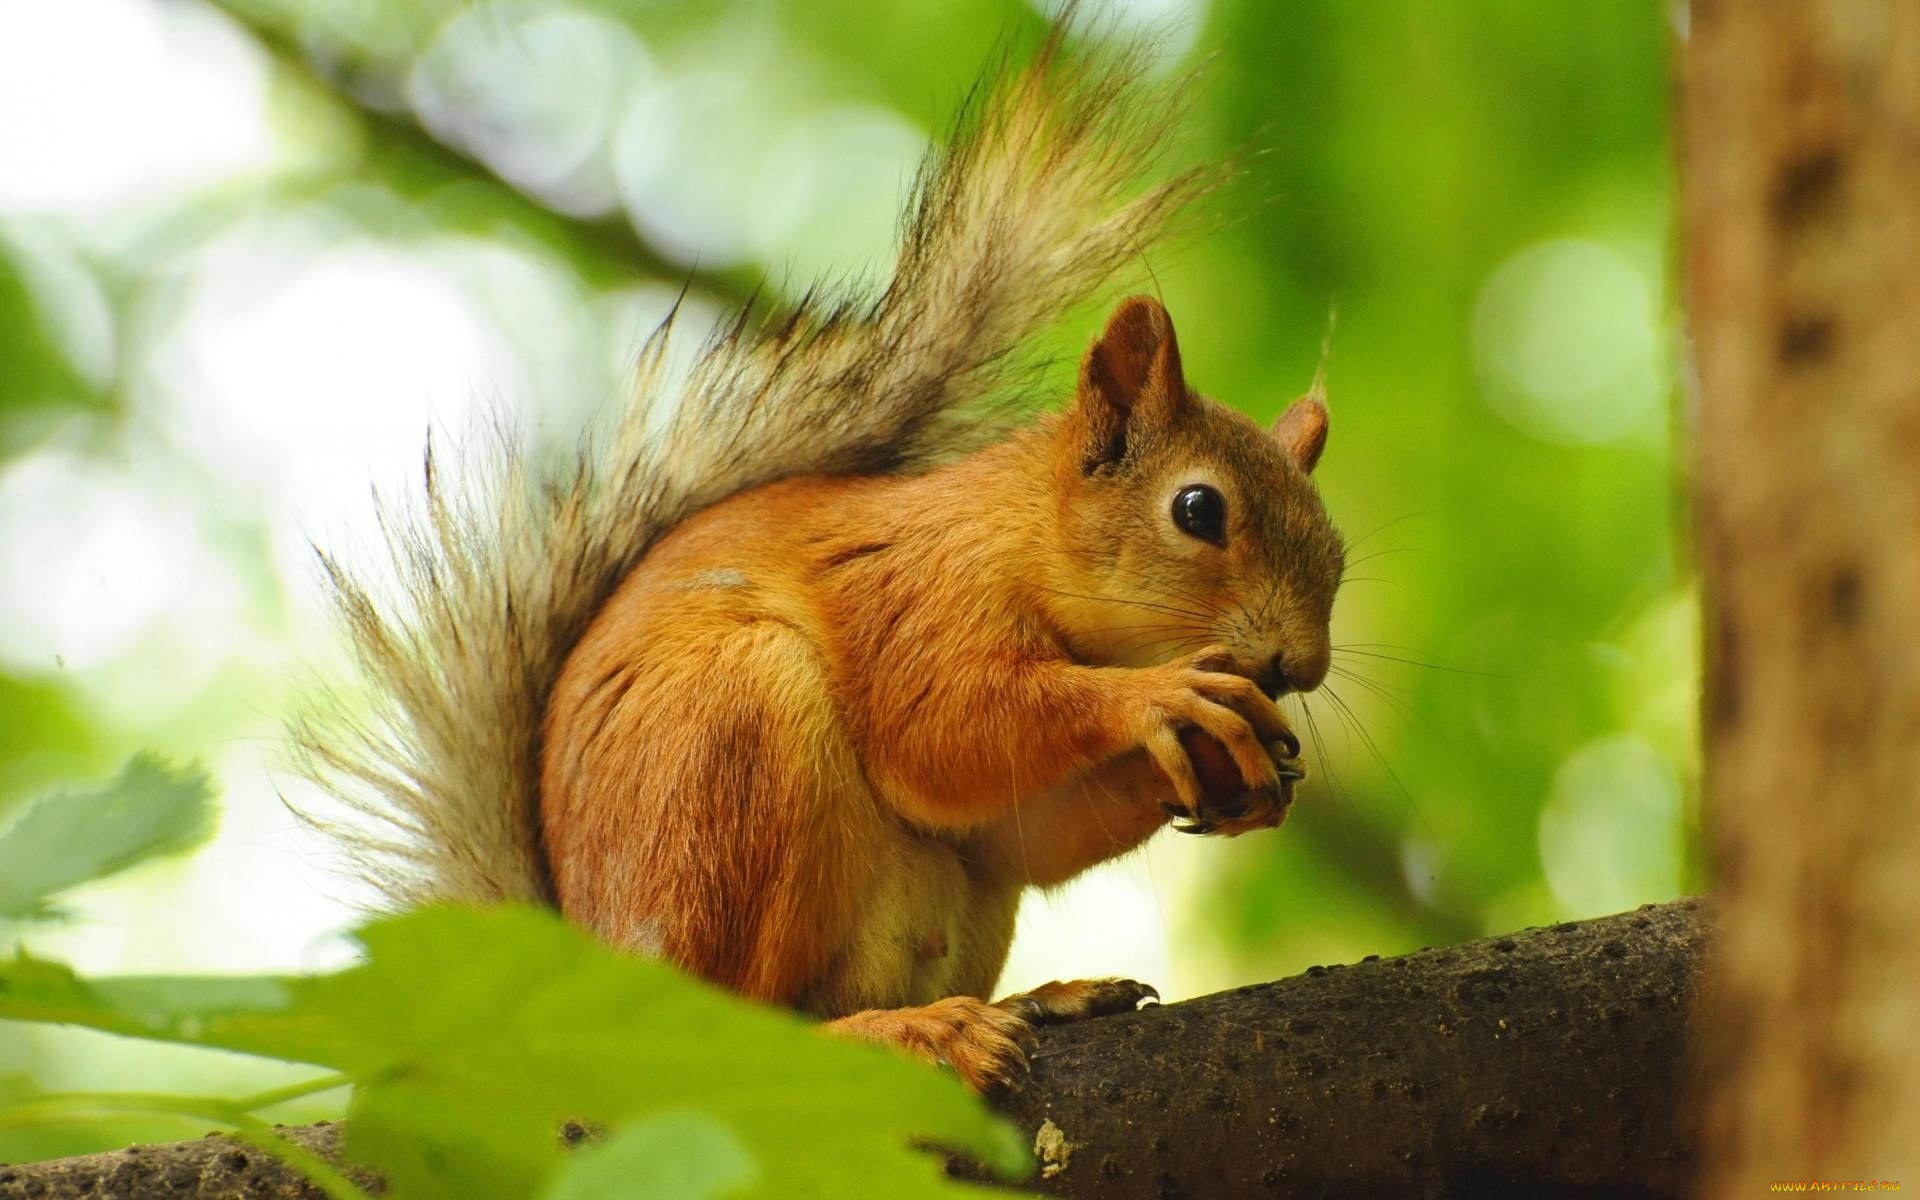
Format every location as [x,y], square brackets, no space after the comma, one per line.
[1056,1003]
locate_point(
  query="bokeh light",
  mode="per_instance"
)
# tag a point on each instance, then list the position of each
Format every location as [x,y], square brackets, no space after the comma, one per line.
[250,253]
[1566,337]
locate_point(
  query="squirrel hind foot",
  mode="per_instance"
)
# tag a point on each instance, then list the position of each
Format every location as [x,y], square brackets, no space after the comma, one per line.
[984,1044]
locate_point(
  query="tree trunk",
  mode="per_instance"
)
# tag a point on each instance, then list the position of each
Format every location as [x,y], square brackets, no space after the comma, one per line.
[1547,1063]
[1800,150]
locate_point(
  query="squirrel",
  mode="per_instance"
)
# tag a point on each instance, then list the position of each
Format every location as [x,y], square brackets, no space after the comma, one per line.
[802,677]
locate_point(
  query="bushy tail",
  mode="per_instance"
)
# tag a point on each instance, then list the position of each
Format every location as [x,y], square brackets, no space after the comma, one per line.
[1033,206]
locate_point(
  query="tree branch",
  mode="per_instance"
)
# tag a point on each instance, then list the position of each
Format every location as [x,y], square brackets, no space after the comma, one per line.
[218,1166]
[1544,1063]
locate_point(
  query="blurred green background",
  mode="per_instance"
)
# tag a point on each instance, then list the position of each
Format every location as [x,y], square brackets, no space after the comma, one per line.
[249,250]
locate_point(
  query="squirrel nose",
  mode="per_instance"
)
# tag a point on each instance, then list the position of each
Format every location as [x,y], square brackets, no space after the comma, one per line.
[1297,672]
[1272,681]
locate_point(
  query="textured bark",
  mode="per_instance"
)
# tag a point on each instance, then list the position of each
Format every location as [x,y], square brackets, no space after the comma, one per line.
[1801,167]
[1547,1063]
[216,1167]
[1544,1063]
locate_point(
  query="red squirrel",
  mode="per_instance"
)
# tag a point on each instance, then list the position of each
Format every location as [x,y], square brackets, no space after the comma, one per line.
[757,689]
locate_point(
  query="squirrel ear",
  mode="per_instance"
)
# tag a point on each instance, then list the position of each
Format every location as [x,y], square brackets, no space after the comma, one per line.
[1302,431]
[1130,379]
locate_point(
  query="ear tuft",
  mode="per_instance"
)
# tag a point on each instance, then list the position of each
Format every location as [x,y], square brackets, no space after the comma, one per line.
[1137,346]
[1130,380]
[1302,431]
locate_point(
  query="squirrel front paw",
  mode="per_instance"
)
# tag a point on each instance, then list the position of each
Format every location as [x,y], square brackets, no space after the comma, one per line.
[1231,710]
[1228,809]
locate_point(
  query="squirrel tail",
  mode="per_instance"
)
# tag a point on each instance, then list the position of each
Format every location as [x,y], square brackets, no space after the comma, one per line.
[1033,206]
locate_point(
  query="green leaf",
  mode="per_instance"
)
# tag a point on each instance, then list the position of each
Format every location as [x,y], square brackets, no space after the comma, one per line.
[56,1135]
[150,809]
[42,734]
[474,1036]
[34,371]
[204,1011]
[682,1155]
[530,1023]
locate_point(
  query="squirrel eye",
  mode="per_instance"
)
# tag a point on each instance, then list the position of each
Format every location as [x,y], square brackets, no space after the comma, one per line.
[1201,511]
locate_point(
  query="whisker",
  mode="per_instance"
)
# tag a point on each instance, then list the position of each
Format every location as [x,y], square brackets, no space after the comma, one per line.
[1379,529]
[1325,758]
[1369,557]
[1172,644]
[1379,757]
[1094,809]
[1173,586]
[1381,692]
[1146,604]
[1386,695]
[1414,662]
[1148,627]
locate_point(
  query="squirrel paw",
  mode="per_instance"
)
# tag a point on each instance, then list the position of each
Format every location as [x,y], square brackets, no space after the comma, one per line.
[985,1044]
[1227,808]
[1255,810]
[1057,1003]
[1197,694]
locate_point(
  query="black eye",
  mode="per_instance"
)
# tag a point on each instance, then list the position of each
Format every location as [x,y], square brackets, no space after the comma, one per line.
[1202,512]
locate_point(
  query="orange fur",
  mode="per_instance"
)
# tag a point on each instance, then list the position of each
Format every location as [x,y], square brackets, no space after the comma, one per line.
[825,733]
[737,687]
[1039,197]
